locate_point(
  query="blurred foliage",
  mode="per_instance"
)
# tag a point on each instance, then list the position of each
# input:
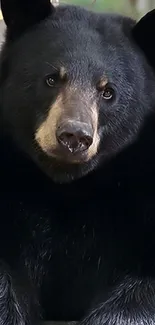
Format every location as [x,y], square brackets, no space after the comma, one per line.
[120,6]
[125,7]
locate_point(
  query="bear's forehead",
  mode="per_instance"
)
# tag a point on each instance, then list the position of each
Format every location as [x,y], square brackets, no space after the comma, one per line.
[82,42]
[78,54]
[102,30]
[76,39]
[74,27]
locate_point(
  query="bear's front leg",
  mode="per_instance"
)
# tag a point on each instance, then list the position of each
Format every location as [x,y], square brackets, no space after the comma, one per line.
[132,302]
[18,304]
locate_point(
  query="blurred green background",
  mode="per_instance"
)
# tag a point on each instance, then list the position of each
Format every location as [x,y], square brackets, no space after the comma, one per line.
[134,8]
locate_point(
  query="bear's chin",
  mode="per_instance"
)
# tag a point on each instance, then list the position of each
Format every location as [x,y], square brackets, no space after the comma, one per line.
[61,172]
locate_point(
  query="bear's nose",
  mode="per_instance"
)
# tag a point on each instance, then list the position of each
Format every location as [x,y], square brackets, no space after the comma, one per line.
[75,137]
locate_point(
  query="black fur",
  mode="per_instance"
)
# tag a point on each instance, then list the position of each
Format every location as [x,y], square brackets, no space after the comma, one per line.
[142,33]
[83,250]
[21,15]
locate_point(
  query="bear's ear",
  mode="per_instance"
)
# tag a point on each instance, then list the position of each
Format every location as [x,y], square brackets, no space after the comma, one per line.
[19,15]
[143,33]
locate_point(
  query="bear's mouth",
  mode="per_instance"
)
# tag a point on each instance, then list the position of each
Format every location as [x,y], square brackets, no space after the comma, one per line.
[62,157]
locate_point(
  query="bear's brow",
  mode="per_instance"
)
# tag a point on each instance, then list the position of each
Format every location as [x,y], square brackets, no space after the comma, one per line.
[63,72]
[102,82]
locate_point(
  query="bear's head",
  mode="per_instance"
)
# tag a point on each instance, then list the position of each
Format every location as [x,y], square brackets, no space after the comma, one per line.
[76,85]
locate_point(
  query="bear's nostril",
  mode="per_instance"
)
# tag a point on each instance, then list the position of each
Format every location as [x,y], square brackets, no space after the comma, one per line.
[86,142]
[69,140]
[76,141]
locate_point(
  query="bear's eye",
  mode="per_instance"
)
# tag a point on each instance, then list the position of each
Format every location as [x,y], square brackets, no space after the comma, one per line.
[51,80]
[108,93]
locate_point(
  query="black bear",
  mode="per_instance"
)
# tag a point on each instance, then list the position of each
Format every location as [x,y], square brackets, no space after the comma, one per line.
[77,161]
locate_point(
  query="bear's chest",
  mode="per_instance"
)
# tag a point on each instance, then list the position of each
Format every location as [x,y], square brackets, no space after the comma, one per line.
[73,249]
[75,241]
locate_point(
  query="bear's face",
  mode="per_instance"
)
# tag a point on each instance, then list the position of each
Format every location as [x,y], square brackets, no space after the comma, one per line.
[76,90]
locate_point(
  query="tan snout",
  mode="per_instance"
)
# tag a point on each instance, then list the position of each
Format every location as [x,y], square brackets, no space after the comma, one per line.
[70,131]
